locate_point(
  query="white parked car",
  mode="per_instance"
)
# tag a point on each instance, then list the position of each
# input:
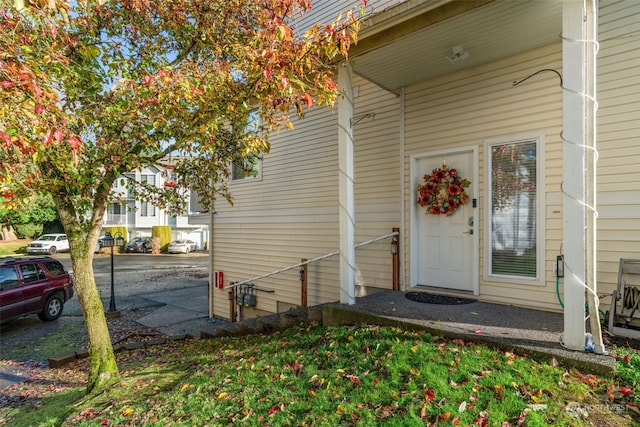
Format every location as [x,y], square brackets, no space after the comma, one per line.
[49,244]
[182,246]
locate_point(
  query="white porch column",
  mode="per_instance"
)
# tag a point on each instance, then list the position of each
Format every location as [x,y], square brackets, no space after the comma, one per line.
[577,119]
[345,187]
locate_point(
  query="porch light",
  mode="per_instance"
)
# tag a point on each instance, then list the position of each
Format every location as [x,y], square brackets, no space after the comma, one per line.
[459,54]
[394,245]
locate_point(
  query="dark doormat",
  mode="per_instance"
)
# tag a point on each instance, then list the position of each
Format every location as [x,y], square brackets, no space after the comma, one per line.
[437,299]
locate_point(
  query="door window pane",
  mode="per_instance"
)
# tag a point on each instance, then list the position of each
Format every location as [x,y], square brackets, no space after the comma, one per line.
[8,278]
[514,202]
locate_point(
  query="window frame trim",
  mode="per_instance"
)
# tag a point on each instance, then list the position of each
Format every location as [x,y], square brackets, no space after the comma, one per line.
[258,176]
[540,279]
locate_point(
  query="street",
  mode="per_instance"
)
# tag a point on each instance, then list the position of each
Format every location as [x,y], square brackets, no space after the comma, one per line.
[138,274]
[140,281]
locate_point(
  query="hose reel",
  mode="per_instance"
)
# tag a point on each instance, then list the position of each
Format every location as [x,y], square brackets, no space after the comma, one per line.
[623,317]
[631,297]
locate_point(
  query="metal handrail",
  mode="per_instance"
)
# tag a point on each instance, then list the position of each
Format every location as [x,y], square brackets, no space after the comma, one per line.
[318,258]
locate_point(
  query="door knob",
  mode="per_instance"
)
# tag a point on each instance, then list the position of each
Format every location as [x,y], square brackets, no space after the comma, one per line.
[468,232]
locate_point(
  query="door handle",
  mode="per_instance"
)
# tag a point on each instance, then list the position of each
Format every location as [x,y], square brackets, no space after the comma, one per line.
[468,232]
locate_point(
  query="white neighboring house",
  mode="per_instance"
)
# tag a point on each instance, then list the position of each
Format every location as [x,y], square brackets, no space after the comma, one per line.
[140,216]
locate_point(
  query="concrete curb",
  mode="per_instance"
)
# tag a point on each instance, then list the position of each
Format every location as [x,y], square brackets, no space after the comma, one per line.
[62,359]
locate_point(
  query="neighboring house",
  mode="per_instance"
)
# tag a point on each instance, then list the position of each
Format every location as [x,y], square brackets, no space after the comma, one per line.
[461,82]
[140,216]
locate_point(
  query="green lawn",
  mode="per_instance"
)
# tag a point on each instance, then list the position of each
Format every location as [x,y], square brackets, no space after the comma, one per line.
[317,376]
[13,247]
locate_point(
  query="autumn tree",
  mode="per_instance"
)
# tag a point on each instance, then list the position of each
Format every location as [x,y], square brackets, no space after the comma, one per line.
[90,90]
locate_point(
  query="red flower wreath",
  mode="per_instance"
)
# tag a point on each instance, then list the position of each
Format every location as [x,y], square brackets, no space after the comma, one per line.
[443,191]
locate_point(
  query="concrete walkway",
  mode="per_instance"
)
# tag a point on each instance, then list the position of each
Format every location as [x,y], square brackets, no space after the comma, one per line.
[185,311]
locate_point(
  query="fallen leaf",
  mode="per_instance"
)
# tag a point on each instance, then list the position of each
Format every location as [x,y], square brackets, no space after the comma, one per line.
[462,407]
[625,391]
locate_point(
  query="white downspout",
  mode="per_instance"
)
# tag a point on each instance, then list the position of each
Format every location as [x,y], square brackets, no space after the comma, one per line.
[579,30]
[346,214]
[403,201]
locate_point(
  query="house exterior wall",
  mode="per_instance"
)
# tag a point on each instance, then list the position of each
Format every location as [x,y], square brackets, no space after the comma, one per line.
[324,11]
[288,213]
[291,211]
[618,139]
[480,105]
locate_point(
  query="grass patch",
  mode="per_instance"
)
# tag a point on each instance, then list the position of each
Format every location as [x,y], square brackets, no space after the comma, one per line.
[366,375]
[13,247]
[66,338]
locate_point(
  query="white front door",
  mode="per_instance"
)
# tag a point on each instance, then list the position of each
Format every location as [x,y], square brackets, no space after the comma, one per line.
[444,246]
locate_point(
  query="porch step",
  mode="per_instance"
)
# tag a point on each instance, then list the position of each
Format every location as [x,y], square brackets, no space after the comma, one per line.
[266,324]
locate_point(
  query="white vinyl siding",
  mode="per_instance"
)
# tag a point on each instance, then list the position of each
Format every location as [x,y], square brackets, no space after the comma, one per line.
[289,214]
[377,181]
[292,212]
[618,139]
[479,105]
[326,11]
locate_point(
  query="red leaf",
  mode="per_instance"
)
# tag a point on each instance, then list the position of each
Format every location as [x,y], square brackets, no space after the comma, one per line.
[48,137]
[308,100]
[430,396]
[74,143]
[7,84]
[625,391]
[274,409]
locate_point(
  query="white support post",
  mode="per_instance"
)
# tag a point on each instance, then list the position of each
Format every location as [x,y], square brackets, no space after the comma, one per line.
[573,171]
[345,187]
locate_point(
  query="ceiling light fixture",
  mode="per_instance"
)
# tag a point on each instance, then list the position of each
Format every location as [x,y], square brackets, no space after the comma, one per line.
[459,54]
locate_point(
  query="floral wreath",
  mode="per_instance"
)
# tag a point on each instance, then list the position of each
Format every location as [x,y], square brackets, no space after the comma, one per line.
[443,191]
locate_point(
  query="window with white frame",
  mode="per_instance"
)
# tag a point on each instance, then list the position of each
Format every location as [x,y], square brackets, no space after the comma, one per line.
[513,209]
[250,166]
[149,179]
[114,209]
[147,209]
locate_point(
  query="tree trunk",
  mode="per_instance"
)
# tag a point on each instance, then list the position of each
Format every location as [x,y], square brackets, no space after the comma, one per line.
[103,370]
[7,232]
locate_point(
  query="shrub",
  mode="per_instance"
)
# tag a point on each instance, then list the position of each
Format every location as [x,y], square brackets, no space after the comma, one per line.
[163,232]
[29,230]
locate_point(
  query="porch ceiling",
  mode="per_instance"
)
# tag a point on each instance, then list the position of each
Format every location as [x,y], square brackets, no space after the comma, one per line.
[488,33]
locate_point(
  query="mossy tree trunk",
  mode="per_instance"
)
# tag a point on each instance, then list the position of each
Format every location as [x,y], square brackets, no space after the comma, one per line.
[103,370]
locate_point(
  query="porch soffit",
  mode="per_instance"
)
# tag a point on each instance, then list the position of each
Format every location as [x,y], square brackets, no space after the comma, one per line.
[416,48]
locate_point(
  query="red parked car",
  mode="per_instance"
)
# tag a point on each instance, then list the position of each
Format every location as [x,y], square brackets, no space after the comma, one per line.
[28,285]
